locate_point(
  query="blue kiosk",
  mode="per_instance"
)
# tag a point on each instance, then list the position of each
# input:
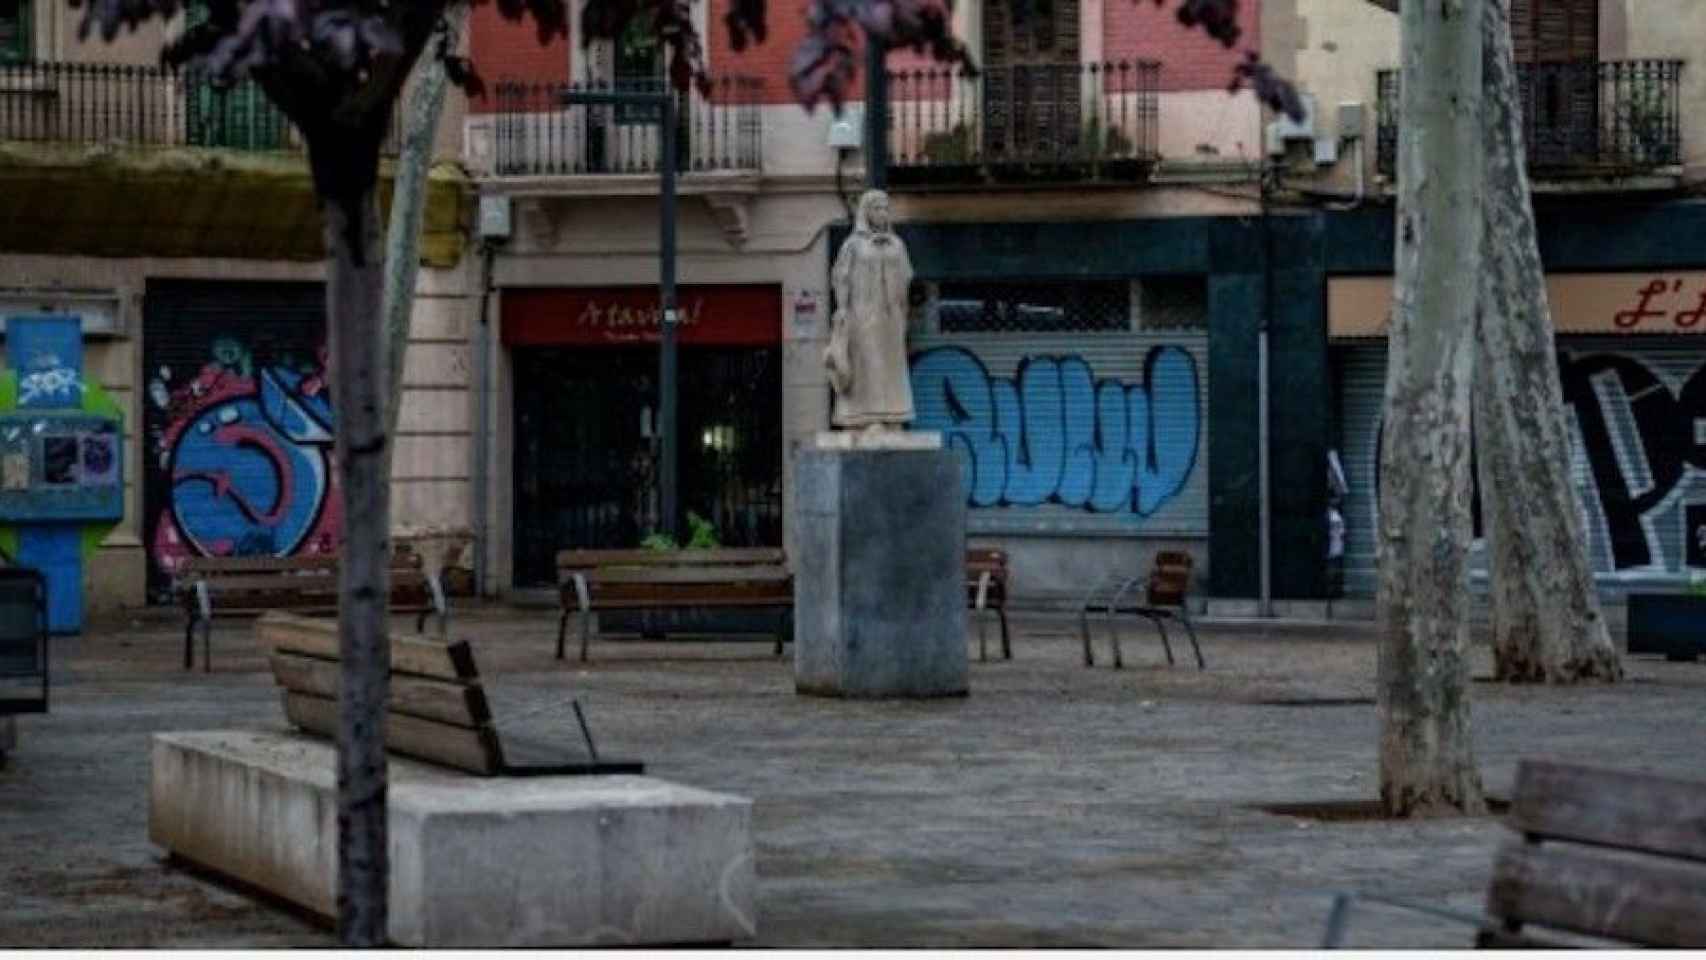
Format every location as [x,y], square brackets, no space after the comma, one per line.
[61,460]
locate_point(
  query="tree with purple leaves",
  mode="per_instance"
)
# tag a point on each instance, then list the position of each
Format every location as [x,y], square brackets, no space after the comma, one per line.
[336,69]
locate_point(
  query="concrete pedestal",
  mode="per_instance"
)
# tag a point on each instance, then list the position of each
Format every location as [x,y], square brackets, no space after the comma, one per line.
[879,570]
[475,861]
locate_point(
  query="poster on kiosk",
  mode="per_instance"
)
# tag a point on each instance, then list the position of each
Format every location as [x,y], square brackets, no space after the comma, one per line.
[61,460]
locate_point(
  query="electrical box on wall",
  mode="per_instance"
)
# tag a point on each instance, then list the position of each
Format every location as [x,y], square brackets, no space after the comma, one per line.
[1350,120]
[494,217]
[847,132]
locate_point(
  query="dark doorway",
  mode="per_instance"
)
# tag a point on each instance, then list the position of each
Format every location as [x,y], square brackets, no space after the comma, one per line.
[585,457]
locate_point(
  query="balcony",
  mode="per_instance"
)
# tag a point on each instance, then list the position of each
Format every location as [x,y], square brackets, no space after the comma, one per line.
[1621,119]
[538,131]
[116,105]
[1066,123]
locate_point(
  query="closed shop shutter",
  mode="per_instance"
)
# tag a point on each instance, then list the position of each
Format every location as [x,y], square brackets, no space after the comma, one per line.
[1082,433]
[1555,31]
[238,426]
[1638,456]
[1362,391]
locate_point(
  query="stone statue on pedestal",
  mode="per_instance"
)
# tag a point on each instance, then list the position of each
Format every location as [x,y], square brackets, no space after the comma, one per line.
[867,341]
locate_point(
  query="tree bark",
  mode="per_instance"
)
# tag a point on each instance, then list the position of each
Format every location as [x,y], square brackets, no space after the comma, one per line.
[355,284]
[1547,625]
[1427,763]
[408,207]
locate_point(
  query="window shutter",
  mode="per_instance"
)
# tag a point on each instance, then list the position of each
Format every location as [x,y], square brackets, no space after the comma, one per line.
[1555,31]
[1522,29]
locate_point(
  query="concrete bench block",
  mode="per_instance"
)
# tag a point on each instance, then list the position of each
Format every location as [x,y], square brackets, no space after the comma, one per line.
[475,862]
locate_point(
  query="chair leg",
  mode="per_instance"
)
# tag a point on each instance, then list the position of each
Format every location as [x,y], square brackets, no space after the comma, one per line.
[1114,638]
[420,621]
[207,646]
[1161,626]
[1006,635]
[586,632]
[782,630]
[562,632]
[1192,633]
[1084,628]
[982,636]
[189,644]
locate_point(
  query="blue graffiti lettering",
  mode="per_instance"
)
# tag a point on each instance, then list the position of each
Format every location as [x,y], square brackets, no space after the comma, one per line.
[1055,434]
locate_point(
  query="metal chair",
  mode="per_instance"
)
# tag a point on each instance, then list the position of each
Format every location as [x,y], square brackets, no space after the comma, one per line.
[23,641]
[1166,590]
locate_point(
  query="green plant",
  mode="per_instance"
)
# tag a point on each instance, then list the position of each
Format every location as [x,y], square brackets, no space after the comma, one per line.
[952,148]
[702,535]
[1696,588]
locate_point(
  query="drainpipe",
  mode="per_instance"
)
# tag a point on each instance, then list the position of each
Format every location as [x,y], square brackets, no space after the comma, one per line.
[482,417]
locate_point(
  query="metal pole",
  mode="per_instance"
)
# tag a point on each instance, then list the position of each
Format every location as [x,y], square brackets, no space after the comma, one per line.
[668,438]
[876,113]
[1265,514]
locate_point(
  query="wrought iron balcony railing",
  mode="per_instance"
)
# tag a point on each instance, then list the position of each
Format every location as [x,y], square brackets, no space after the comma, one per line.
[1579,118]
[1062,122]
[538,131]
[49,102]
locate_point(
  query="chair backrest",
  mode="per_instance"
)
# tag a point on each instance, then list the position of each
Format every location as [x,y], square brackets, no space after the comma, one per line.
[1170,579]
[1657,898]
[320,564]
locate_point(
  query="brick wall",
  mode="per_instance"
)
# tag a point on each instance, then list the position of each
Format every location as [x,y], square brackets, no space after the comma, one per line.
[505,49]
[1190,59]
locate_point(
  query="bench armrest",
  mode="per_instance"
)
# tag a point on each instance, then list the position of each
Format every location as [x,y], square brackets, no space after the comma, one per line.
[982,590]
[203,599]
[1338,919]
[582,595]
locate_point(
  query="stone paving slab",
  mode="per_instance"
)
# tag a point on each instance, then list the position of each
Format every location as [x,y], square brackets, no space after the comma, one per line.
[1054,806]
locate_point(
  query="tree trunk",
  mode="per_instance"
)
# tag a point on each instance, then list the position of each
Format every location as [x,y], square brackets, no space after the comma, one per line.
[1427,763]
[355,284]
[408,207]
[1547,625]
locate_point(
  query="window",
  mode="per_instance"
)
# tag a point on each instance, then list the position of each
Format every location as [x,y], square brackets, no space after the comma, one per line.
[14,31]
[639,67]
[1044,306]
[1173,303]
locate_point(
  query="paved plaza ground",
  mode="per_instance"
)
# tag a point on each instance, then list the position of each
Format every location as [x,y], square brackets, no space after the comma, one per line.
[1054,806]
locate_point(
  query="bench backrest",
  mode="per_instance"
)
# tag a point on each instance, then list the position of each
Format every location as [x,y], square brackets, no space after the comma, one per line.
[1170,579]
[437,710]
[317,564]
[570,561]
[1561,874]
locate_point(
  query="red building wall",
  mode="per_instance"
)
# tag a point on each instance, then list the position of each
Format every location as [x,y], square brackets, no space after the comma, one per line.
[510,50]
[1190,59]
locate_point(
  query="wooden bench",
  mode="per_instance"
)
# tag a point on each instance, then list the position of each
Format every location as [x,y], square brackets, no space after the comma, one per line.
[1166,594]
[597,580]
[1605,854]
[212,587]
[437,712]
[986,589]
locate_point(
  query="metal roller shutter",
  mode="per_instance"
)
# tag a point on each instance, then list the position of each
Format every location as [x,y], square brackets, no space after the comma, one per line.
[1635,409]
[1363,391]
[238,425]
[1084,433]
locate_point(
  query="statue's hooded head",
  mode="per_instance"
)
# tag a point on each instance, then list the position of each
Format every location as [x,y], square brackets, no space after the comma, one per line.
[873,216]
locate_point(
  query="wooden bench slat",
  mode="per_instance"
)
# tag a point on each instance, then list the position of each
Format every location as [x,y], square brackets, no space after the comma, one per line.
[1632,810]
[458,703]
[1646,902]
[319,638]
[687,575]
[474,750]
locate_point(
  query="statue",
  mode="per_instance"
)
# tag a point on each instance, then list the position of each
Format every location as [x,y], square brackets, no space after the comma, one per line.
[867,340]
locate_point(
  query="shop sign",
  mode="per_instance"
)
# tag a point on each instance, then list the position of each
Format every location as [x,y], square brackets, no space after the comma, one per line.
[706,314]
[1581,303]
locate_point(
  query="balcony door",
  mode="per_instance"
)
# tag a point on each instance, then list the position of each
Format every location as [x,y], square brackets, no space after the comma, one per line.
[1032,104]
[1557,53]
